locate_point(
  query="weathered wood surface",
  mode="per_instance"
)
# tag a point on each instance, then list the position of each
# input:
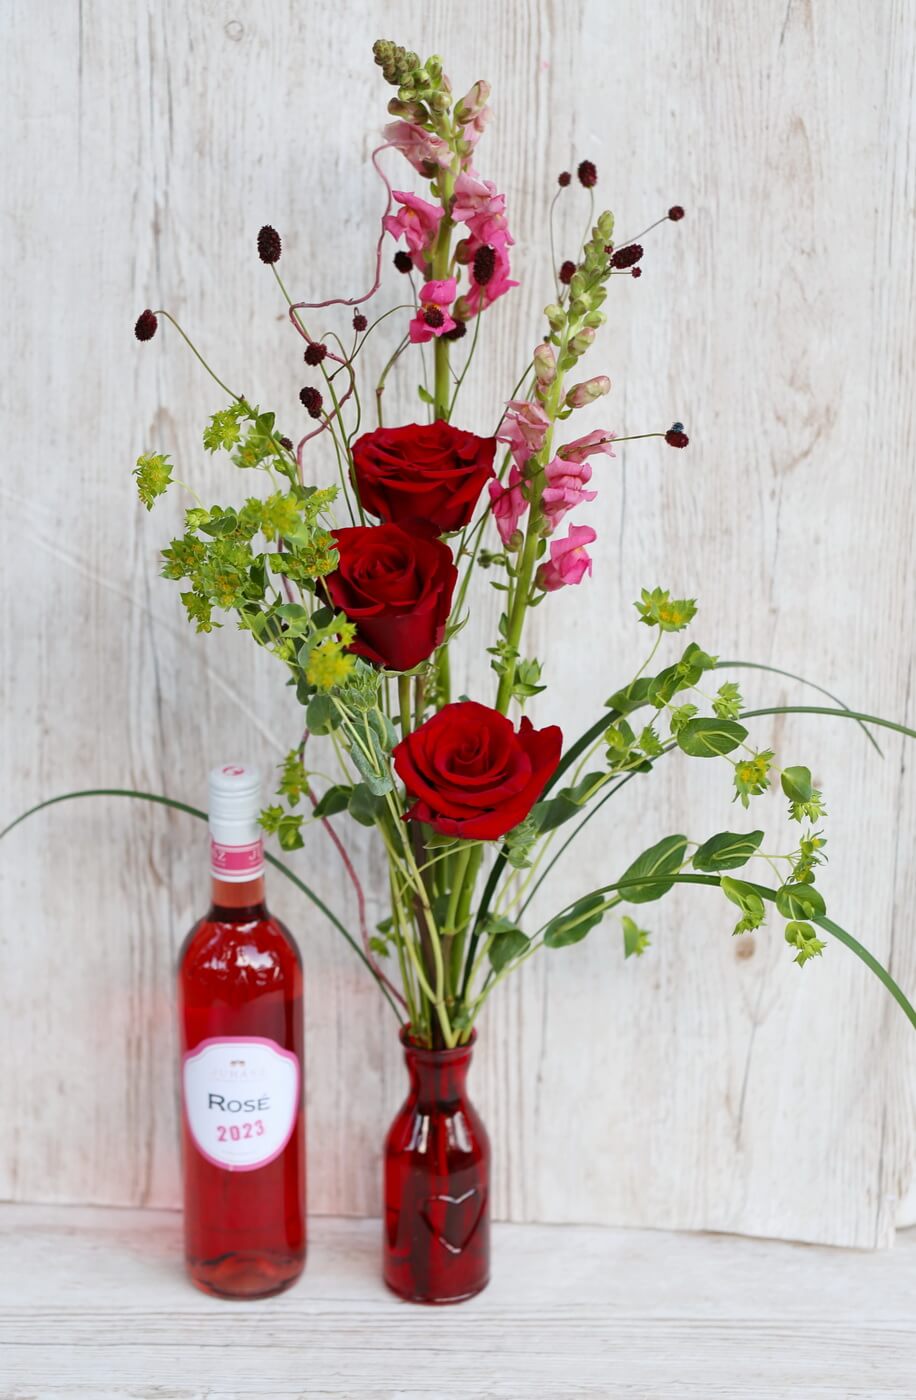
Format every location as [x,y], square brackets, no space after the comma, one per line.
[710,1084]
[93,1306]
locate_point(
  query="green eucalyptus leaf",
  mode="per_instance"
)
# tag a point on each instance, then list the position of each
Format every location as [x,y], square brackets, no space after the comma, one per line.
[663,859]
[378,783]
[727,851]
[320,715]
[364,805]
[800,902]
[710,738]
[572,925]
[333,801]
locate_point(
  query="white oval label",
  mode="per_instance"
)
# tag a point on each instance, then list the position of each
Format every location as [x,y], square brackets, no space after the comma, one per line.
[240,1100]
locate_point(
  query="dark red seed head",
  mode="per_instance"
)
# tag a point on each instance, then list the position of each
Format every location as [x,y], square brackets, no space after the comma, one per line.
[311,400]
[626,257]
[567,272]
[458,330]
[287,443]
[676,437]
[676,212]
[637,272]
[588,175]
[403,261]
[563,179]
[359,322]
[315,352]
[146,325]
[484,264]
[268,244]
[433,316]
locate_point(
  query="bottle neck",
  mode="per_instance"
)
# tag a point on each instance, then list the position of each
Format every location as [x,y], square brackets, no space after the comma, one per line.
[438,1077]
[233,896]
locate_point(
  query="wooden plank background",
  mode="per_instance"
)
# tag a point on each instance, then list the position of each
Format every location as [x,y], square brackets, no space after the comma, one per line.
[710,1084]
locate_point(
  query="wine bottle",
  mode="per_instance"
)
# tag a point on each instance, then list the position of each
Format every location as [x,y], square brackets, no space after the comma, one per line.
[243,1108]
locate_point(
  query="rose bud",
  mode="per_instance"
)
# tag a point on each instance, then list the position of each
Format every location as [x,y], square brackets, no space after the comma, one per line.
[397,586]
[423,471]
[471,774]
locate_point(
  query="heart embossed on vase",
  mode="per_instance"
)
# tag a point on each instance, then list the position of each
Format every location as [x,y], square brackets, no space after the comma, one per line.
[453,1220]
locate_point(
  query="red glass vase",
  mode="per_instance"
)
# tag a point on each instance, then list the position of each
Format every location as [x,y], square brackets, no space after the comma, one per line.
[243,1121]
[437,1183]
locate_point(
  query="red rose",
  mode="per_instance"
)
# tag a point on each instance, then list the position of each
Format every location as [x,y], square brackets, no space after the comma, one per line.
[471,774]
[428,472]
[396,585]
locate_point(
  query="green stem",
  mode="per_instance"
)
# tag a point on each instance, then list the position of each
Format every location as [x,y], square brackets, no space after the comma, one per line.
[404,704]
[459,870]
[193,348]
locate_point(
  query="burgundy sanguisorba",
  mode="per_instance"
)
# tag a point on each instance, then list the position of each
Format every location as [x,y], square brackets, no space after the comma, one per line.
[437,1183]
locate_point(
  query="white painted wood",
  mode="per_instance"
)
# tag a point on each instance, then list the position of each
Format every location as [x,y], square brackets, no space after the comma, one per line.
[710,1084]
[93,1304]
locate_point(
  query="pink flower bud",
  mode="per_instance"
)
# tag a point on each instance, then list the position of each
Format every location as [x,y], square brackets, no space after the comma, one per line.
[585,393]
[473,102]
[545,365]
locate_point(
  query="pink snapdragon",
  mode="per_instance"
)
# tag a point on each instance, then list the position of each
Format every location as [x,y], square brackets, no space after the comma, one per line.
[565,489]
[569,560]
[480,295]
[580,448]
[523,429]
[472,113]
[508,505]
[433,318]
[427,153]
[417,222]
[475,197]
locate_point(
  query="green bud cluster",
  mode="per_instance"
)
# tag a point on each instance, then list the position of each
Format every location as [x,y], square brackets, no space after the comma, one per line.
[424,94]
[582,315]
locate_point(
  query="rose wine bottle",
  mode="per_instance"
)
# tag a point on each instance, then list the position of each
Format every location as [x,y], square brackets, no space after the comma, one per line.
[243,1113]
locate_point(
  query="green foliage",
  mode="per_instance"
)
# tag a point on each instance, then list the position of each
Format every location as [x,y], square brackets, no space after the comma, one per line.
[679,716]
[635,939]
[663,860]
[573,924]
[752,775]
[624,751]
[710,738]
[728,703]
[364,805]
[805,801]
[519,842]
[507,942]
[747,900]
[726,851]
[681,676]
[566,803]
[224,427]
[800,902]
[808,857]
[631,697]
[335,799]
[659,609]
[801,935]
[154,475]
[294,781]
[286,826]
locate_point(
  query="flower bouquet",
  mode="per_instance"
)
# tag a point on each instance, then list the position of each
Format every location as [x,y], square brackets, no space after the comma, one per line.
[360,590]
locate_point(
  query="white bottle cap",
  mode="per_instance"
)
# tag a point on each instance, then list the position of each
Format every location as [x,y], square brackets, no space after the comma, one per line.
[236,847]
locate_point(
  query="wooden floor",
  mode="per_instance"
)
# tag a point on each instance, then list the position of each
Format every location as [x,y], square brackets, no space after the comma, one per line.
[93,1304]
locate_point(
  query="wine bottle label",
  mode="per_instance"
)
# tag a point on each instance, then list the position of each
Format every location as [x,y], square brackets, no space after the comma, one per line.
[237,864]
[241,1096]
